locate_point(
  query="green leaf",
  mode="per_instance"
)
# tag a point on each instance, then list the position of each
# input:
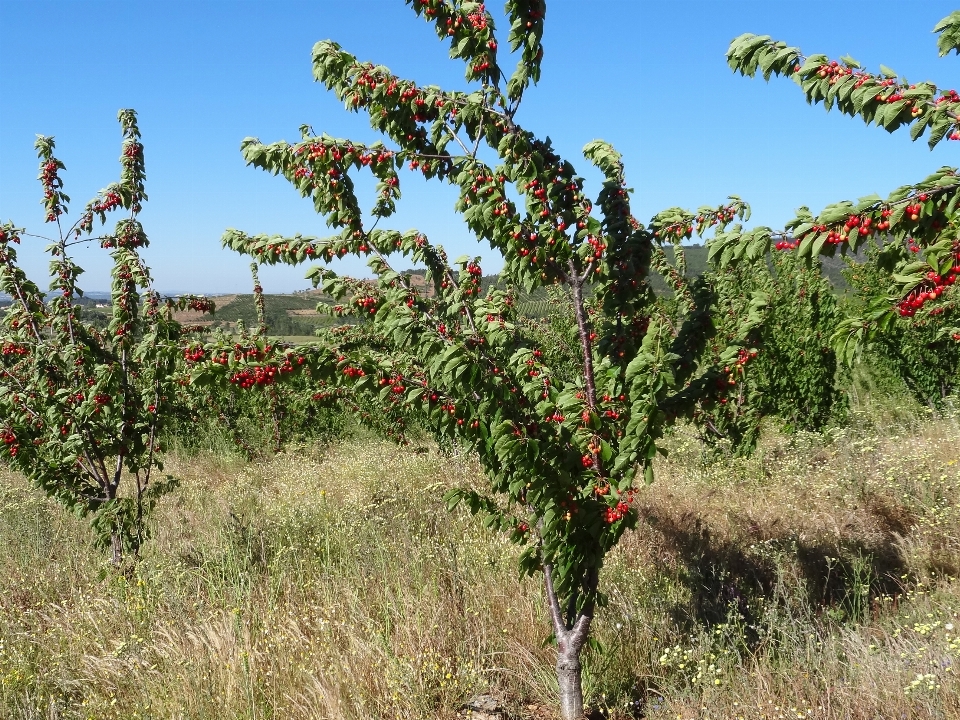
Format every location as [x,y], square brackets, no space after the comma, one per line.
[818,244]
[606,452]
[806,245]
[891,113]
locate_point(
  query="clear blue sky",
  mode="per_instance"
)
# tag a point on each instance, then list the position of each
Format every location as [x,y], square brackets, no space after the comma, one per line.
[648,76]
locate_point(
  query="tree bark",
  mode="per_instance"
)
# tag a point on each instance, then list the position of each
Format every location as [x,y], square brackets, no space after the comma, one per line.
[116,546]
[569,675]
[116,539]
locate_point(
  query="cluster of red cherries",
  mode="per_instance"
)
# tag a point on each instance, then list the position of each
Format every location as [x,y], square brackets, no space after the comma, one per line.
[618,511]
[130,236]
[835,71]
[367,304]
[474,280]
[723,383]
[931,289]
[612,514]
[51,181]
[952,97]
[395,382]
[110,201]
[859,225]
[10,440]
[194,354]
[352,372]
[14,349]
[262,374]
[200,305]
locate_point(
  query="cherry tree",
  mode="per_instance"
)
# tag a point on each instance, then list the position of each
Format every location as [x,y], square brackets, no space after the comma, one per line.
[563,451]
[82,406]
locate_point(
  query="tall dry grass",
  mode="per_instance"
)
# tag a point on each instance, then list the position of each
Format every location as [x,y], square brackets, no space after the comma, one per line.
[816,579]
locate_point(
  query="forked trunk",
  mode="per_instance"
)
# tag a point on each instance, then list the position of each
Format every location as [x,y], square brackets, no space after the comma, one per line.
[571,634]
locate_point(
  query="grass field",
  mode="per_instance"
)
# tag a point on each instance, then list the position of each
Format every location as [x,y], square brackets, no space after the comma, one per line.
[817,579]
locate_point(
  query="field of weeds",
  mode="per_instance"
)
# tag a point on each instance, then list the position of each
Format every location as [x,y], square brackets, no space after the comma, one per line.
[817,579]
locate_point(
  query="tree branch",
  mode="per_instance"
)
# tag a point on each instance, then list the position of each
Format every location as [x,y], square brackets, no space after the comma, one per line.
[553,605]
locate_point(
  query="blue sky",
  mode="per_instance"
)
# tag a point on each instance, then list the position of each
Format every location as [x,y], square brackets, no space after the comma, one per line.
[650,77]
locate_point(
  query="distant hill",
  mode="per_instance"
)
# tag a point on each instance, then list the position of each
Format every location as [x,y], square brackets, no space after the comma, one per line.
[93,297]
[295,314]
[89,298]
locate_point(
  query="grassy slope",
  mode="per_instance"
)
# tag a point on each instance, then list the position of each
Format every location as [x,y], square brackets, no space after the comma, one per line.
[276,307]
[815,580]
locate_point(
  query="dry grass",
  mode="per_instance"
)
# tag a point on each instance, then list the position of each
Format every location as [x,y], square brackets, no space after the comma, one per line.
[816,579]
[813,580]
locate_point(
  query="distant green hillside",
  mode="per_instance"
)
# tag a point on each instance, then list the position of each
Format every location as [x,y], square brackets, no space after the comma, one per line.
[285,314]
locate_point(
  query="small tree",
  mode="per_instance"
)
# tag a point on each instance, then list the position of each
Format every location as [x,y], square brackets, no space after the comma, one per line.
[919,223]
[794,376]
[562,451]
[80,405]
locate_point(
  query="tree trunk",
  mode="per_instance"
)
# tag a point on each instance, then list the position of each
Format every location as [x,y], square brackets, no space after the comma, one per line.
[116,539]
[116,546]
[571,688]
